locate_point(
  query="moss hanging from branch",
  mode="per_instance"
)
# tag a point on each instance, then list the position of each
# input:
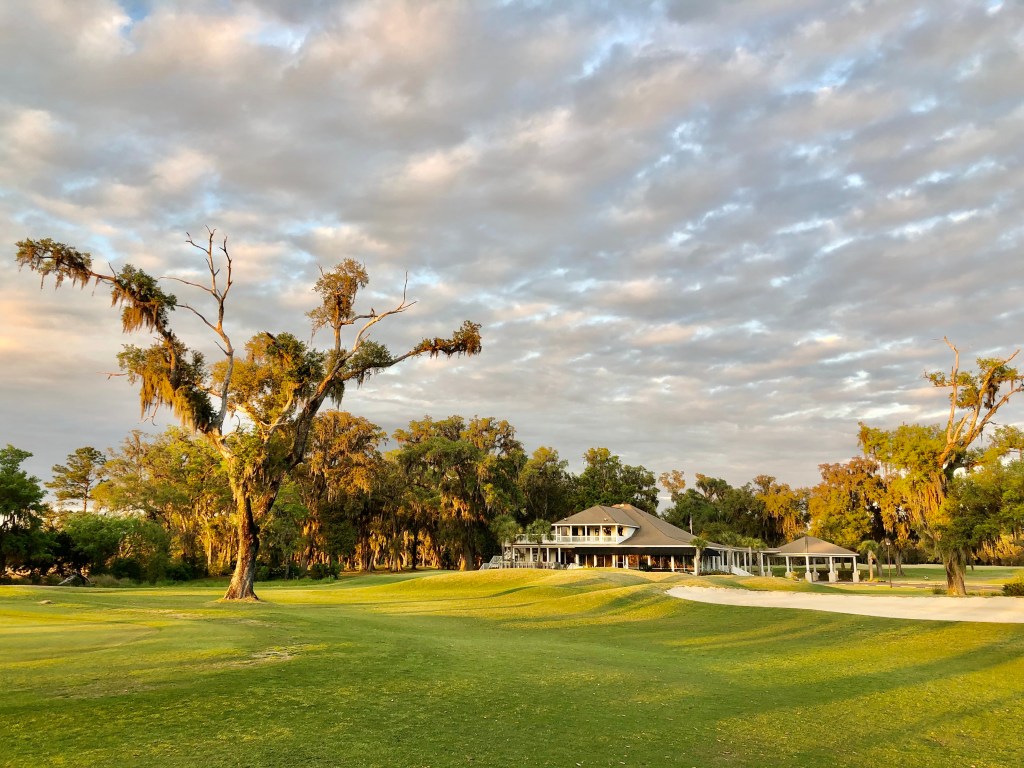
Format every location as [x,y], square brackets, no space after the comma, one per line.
[465,341]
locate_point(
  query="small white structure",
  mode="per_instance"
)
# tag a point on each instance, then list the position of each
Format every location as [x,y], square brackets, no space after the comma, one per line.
[815,552]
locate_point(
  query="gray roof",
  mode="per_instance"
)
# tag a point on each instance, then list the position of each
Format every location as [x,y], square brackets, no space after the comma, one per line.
[809,545]
[653,531]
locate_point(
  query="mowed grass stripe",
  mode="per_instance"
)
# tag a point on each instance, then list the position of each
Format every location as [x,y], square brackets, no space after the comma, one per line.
[497,669]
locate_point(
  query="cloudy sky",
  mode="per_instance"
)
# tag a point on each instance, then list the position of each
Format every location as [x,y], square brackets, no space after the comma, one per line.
[709,235]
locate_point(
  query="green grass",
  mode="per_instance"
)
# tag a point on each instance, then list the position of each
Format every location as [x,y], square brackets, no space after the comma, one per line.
[587,668]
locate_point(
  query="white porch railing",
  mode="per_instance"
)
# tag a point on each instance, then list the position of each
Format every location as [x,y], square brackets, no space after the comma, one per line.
[566,539]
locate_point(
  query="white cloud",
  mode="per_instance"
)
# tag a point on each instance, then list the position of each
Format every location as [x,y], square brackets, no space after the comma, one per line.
[693,233]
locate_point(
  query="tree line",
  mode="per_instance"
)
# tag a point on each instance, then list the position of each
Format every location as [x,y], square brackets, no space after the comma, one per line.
[449,493]
[279,484]
[161,505]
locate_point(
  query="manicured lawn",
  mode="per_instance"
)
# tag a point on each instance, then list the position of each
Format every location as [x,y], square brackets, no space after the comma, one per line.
[587,668]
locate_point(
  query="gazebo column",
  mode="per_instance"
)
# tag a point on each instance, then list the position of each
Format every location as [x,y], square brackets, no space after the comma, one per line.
[672,562]
[789,568]
[833,577]
[856,571]
[807,568]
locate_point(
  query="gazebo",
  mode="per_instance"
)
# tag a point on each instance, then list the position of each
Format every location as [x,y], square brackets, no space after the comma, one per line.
[814,551]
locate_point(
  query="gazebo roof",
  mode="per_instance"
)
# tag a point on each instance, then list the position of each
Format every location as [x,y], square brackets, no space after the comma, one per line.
[809,545]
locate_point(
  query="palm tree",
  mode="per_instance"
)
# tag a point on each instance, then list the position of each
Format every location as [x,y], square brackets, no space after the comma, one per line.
[537,531]
[870,550]
[699,544]
[505,529]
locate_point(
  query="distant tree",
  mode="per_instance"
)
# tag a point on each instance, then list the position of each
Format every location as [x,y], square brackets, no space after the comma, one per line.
[546,486]
[674,482]
[606,480]
[845,507]
[95,540]
[336,483]
[77,480]
[397,522]
[692,511]
[986,509]
[870,549]
[699,544]
[1005,443]
[283,529]
[275,388]
[537,531]
[179,481]
[21,508]
[782,512]
[143,551]
[466,474]
[506,528]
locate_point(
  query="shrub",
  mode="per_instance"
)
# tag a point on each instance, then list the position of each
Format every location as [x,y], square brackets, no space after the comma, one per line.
[182,570]
[126,568]
[268,573]
[108,580]
[323,571]
[1014,588]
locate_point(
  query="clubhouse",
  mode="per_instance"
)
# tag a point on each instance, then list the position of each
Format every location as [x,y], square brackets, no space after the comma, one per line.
[623,536]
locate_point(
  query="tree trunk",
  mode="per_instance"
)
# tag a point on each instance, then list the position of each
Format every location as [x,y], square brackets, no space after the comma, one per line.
[241,586]
[466,558]
[954,563]
[899,562]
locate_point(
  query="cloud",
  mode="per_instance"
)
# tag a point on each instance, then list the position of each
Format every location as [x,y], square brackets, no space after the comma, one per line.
[710,236]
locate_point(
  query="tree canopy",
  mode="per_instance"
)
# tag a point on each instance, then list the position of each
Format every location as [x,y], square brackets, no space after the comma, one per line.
[276,385]
[21,508]
[78,480]
[919,461]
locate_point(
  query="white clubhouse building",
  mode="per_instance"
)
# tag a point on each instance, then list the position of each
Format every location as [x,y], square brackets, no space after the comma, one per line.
[623,536]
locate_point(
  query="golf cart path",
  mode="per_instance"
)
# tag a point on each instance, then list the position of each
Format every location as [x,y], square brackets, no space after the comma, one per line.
[1000,610]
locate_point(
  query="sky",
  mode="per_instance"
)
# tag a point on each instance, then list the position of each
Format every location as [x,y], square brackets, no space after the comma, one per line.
[708,235]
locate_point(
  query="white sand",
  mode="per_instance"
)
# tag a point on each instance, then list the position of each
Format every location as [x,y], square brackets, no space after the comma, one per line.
[1003,610]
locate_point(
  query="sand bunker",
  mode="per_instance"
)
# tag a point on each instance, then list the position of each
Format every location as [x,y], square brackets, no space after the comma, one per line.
[1002,610]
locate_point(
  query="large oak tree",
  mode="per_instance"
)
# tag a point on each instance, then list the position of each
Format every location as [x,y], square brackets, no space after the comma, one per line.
[275,385]
[920,462]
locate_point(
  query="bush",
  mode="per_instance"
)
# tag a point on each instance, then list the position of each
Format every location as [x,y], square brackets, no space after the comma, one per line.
[181,570]
[1014,588]
[126,568]
[323,570]
[268,573]
[108,580]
